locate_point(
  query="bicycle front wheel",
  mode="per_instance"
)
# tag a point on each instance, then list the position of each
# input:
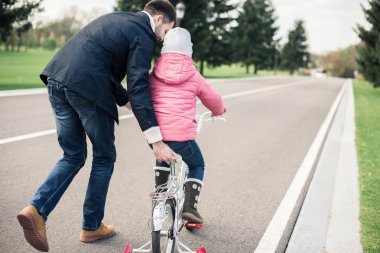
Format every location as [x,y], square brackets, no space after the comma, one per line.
[163,241]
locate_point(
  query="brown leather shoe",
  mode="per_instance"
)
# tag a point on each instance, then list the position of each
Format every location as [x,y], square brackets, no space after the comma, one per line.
[103,232]
[34,228]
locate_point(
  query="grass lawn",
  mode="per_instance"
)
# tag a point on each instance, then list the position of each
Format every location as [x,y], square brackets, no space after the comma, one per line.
[367,109]
[20,70]
[236,70]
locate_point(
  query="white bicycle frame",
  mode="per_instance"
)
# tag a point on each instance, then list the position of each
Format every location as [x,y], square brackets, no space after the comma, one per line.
[173,189]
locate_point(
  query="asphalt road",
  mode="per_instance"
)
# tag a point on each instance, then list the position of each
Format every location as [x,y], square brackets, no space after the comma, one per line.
[251,160]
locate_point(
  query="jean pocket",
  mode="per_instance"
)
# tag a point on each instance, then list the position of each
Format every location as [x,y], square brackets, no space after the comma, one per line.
[56,99]
[84,107]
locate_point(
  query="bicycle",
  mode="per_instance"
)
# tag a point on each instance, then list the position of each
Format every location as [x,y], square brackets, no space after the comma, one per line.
[167,203]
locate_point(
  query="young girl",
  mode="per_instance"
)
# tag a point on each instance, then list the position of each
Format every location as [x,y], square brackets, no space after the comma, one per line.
[174,86]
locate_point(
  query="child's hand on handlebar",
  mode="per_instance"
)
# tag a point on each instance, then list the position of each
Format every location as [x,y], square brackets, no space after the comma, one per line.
[225,110]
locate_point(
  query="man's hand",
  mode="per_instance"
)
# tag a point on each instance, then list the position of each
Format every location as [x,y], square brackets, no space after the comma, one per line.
[128,106]
[163,152]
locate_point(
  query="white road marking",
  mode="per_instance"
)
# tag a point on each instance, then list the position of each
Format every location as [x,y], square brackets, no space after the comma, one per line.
[23,92]
[282,86]
[272,236]
[129,116]
[27,136]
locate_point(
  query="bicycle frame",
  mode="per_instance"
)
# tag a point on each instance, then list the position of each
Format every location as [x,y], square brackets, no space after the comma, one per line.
[173,189]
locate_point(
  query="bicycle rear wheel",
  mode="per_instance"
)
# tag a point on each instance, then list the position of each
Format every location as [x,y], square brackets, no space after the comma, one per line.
[163,241]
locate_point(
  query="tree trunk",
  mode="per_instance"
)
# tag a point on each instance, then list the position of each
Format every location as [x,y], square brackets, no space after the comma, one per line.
[256,69]
[202,67]
[247,68]
[7,45]
[19,45]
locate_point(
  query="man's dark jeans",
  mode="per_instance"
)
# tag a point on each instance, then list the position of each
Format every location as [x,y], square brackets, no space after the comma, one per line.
[191,155]
[75,118]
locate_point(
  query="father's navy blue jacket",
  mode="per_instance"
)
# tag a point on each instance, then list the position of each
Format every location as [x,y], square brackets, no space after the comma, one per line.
[95,60]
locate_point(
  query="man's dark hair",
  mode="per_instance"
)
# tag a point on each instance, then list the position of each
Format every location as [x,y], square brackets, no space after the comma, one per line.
[161,7]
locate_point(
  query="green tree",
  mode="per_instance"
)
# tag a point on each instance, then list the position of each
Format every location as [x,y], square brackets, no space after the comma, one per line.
[195,21]
[254,36]
[51,42]
[341,62]
[15,15]
[130,5]
[219,50]
[64,27]
[295,52]
[206,21]
[369,54]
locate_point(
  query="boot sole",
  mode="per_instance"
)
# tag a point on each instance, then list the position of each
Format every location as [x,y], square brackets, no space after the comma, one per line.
[93,239]
[32,237]
[191,218]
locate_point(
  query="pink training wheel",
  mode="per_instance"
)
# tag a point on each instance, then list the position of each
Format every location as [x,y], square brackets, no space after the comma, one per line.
[201,250]
[128,248]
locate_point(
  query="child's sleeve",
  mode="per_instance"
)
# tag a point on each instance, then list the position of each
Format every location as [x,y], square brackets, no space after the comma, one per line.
[210,97]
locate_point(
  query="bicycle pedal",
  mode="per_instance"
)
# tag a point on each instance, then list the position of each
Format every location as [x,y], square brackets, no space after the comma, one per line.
[193,225]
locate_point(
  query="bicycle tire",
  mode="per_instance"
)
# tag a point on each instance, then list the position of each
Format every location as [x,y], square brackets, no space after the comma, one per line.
[160,241]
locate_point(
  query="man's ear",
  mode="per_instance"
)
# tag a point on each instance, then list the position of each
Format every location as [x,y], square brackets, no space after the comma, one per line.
[158,19]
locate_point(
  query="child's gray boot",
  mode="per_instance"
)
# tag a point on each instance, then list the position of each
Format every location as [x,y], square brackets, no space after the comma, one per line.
[190,207]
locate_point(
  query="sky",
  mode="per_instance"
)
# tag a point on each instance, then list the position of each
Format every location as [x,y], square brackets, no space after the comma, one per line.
[329,23]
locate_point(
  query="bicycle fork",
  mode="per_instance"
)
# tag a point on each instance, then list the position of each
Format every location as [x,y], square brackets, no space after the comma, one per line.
[158,216]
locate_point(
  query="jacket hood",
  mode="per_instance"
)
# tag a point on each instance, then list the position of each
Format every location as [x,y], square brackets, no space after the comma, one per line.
[174,68]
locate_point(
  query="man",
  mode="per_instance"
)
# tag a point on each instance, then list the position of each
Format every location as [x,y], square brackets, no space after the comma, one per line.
[83,81]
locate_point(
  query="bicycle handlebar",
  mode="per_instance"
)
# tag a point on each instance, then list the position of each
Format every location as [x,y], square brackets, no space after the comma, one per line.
[202,118]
